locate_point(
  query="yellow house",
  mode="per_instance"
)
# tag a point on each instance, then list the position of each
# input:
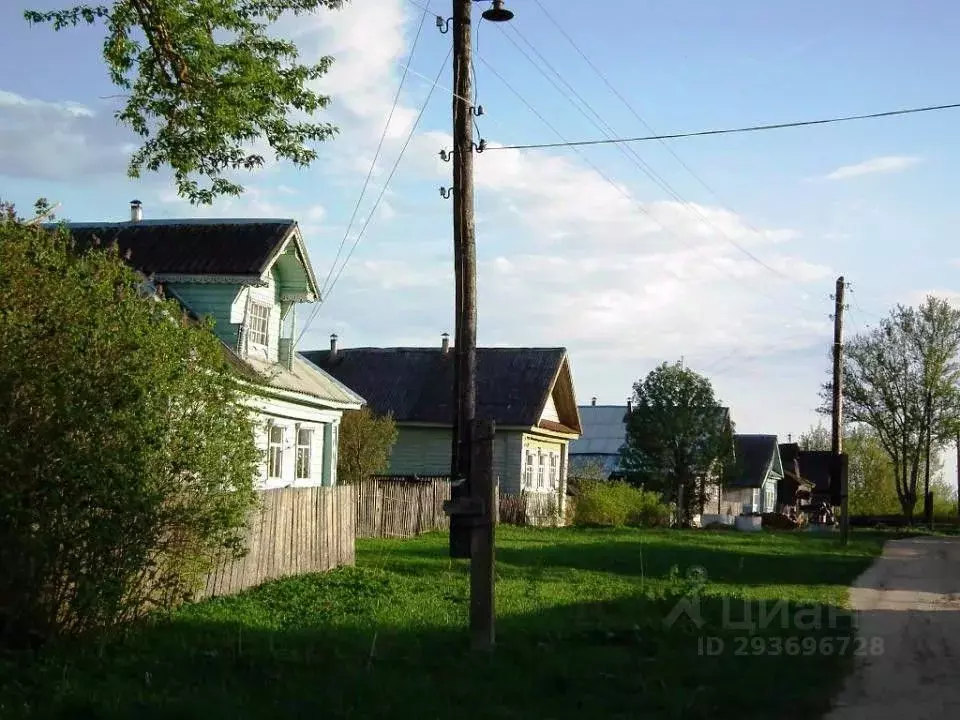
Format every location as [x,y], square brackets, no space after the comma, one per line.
[527,392]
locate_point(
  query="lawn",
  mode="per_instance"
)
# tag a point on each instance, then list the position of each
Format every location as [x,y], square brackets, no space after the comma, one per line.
[581,634]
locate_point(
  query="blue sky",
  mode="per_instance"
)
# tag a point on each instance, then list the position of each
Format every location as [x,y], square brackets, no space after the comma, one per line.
[571,247]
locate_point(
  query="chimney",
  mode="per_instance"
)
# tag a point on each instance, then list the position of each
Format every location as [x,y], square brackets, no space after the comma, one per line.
[629,405]
[789,437]
[136,211]
[593,400]
[333,346]
[445,343]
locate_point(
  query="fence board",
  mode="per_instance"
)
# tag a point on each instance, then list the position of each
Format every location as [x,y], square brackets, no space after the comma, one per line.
[297,530]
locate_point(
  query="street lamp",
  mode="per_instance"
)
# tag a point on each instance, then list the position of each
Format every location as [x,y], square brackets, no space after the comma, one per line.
[497,13]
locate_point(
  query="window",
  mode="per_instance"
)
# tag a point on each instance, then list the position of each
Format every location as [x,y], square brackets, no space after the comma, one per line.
[553,470]
[275,452]
[258,324]
[769,499]
[528,470]
[304,453]
[541,468]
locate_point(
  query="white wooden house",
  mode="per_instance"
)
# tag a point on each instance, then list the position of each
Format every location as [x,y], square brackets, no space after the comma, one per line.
[249,276]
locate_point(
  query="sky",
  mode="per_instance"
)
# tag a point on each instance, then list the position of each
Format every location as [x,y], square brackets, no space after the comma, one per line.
[721,251]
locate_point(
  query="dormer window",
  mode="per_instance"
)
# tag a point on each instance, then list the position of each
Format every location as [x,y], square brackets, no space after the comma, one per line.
[258,324]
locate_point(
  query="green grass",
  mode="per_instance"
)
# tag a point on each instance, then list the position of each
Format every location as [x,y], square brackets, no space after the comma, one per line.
[581,634]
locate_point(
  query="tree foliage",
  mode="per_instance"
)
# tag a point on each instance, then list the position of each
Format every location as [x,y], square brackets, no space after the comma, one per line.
[128,454]
[366,440]
[816,438]
[204,80]
[902,379]
[677,433]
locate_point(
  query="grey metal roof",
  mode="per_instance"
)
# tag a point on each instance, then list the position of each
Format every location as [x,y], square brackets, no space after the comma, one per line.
[754,456]
[604,431]
[191,247]
[416,384]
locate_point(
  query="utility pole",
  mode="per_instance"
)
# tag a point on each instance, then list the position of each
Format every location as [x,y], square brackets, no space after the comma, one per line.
[958,472]
[471,508]
[465,284]
[927,500]
[837,415]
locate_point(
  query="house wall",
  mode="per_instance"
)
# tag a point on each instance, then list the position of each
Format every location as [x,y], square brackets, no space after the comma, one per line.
[216,300]
[265,295]
[291,416]
[426,451]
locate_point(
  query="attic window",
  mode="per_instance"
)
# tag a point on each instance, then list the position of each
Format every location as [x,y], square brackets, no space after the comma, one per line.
[258,324]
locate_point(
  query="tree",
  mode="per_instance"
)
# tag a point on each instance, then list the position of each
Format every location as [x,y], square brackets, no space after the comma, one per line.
[366,440]
[127,450]
[677,434]
[816,438]
[203,81]
[902,379]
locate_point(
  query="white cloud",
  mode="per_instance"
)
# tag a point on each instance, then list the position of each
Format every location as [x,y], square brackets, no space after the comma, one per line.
[886,164]
[58,140]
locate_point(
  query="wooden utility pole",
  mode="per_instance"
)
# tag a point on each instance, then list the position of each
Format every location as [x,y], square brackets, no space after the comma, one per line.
[482,630]
[837,415]
[958,472]
[465,275]
[927,500]
[472,507]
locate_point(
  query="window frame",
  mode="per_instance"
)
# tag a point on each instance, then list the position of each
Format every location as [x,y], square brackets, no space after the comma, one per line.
[541,469]
[303,469]
[528,468]
[277,446]
[553,469]
[254,332]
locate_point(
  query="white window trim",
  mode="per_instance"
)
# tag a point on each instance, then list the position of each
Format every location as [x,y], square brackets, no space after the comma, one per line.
[308,448]
[528,463]
[553,468]
[270,448]
[252,334]
[541,469]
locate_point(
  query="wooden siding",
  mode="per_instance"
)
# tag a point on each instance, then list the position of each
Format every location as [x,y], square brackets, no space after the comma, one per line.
[426,451]
[216,300]
[298,530]
[266,295]
[550,410]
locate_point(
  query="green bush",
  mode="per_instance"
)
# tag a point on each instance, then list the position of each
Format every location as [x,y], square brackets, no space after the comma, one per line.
[617,503]
[126,448]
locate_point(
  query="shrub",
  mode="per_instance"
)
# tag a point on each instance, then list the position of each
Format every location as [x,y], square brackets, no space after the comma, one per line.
[617,503]
[127,453]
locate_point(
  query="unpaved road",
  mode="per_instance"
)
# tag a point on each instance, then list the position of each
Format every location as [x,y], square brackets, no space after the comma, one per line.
[910,598]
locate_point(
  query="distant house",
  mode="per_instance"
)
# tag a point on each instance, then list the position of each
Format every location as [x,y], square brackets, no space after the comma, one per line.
[815,467]
[758,469]
[249,276]
[527,392]
[794,489]
[604,433]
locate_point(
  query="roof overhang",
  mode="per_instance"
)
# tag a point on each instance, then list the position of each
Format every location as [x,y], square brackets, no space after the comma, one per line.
[270,391]
[256,280]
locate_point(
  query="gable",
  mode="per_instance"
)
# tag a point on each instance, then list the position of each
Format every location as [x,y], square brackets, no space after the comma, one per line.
[560,412]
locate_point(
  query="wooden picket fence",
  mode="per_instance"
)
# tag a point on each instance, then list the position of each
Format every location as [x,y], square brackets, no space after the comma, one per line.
[401,506]
[297,530]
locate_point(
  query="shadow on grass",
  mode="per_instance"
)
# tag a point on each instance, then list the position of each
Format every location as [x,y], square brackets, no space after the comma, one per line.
[814,561]
[590,660]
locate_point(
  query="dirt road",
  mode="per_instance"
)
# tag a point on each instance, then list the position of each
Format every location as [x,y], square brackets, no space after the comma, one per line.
[908,606]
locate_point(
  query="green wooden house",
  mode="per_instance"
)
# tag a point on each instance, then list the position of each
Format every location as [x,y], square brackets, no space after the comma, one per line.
[249,276]
[527,392]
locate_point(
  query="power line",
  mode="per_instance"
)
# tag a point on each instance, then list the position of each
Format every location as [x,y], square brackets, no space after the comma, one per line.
[383,190]
[646,125]
[631,154]
[376,155]
[731,131]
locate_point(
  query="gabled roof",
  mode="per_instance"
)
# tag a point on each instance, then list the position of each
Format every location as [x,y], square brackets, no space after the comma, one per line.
[815,466]
[604,430]
[755,455]
[223,247]
[415,385]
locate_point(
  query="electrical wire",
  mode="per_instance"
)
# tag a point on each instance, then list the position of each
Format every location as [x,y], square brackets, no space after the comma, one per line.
[376,155]
[731,131]
[383,190]
[613,184]
[646,125]
[631,154]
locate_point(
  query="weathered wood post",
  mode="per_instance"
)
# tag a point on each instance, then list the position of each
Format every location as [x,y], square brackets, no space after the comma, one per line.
[483,561]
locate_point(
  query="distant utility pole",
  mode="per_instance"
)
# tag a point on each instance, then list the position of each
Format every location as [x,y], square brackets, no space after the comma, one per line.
[958,472]
[472,507]
[927,499]
[837,415]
